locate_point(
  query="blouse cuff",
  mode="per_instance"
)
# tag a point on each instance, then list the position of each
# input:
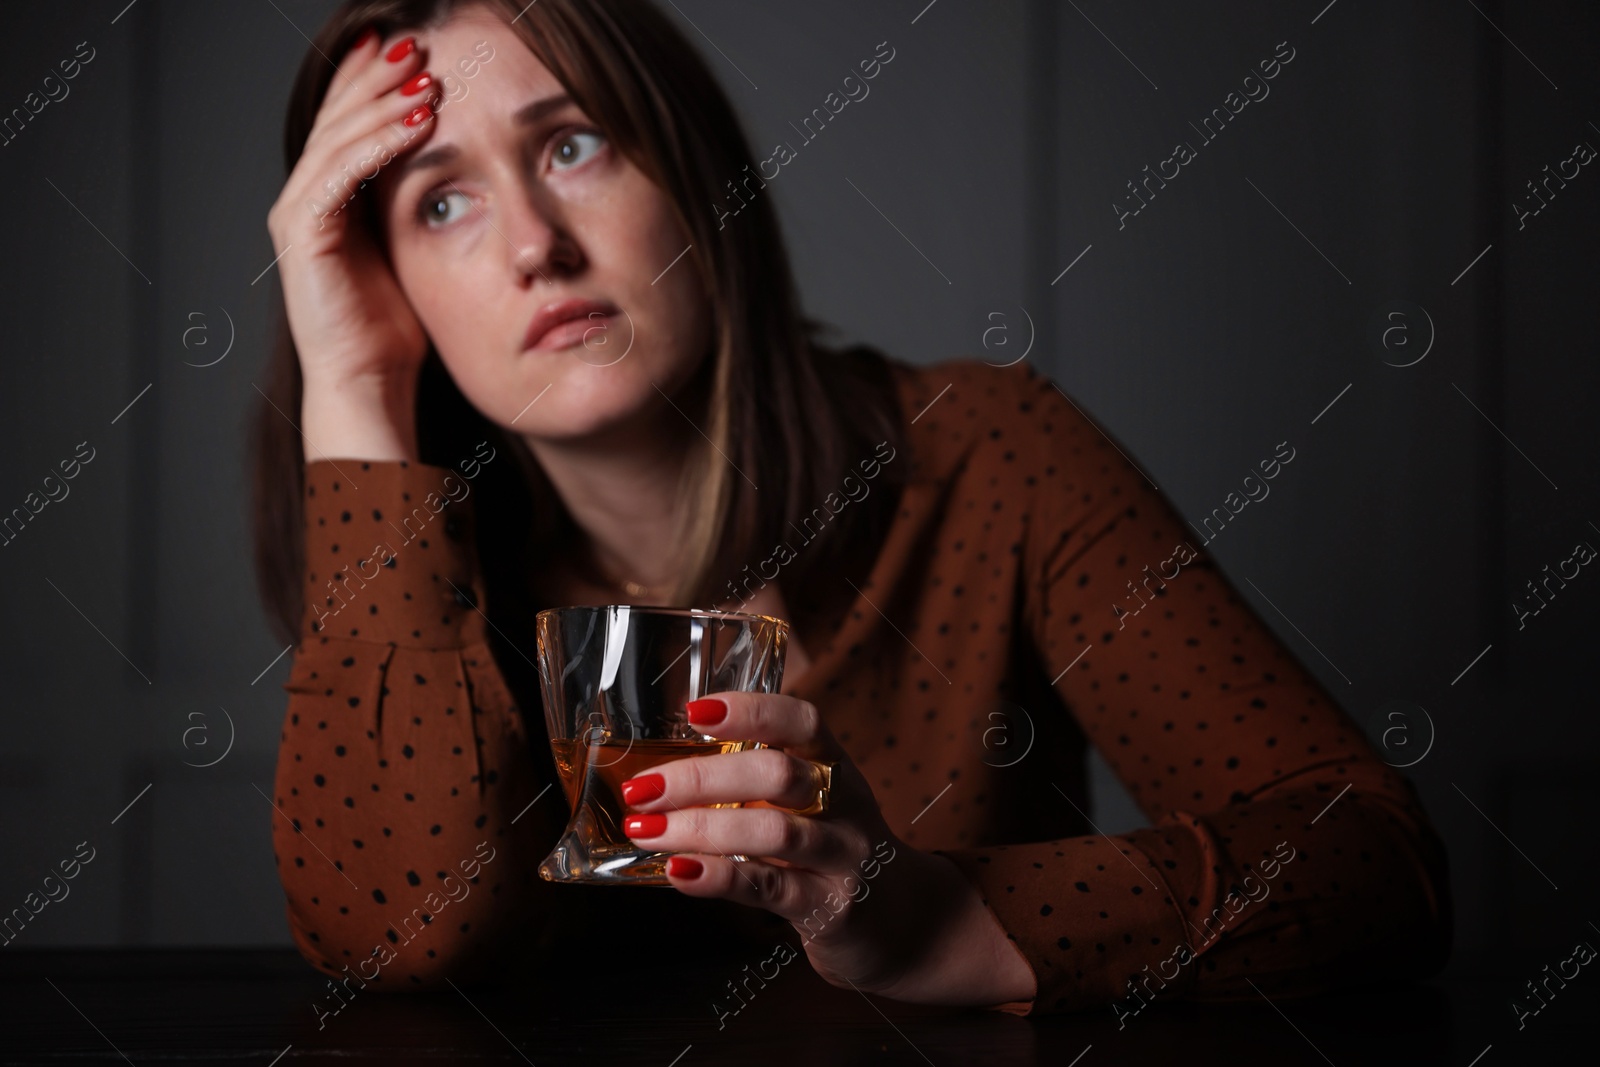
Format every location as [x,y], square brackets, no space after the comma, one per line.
[1088,914]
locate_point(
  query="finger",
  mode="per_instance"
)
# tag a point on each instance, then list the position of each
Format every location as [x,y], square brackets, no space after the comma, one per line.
[330,174]
[369,70]
[766,832]
[378,117]
[774,718]
[356,58]
[789,892]
[767,774]
[369,112]
[379,77]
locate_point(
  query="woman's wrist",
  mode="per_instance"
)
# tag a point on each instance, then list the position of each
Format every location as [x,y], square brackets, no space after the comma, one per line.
[372,418]
[969,960]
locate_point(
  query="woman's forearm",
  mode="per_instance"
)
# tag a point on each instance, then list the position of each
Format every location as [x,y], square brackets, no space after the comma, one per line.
[404,801]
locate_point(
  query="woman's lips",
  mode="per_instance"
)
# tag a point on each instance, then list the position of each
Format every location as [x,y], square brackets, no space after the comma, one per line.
[571,332]
[567,323]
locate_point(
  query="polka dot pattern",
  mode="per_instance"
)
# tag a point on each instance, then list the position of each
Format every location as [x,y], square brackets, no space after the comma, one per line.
[1229,746]
[402,749]
[958,682]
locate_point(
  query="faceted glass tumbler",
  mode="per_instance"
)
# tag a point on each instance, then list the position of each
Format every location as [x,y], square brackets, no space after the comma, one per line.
[615,681]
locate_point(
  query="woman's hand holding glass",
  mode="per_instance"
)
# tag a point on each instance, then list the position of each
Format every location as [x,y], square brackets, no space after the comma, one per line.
[872,912]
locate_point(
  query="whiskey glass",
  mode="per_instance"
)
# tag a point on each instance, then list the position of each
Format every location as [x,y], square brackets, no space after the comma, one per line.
[615,681]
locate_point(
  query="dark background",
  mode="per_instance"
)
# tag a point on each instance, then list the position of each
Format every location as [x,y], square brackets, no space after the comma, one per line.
[1220,321]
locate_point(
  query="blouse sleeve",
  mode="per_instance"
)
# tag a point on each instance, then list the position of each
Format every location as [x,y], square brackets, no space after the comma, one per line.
[1284,857]
[404,819]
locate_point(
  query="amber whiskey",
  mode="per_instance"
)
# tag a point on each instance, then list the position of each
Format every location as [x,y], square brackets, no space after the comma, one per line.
[592,775]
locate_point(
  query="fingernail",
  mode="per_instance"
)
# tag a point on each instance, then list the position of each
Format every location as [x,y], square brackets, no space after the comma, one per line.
[644,825]
[419,116]
[643,789]
[368,35]
[401,49]
[418,82]
[707,711]
[684,867]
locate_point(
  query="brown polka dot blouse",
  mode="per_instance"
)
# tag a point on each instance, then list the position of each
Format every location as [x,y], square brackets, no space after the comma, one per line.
[1033,596]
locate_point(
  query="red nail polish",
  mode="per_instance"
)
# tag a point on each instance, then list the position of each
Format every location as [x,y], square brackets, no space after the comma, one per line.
[418,82]
[644,825]
[402,49]
[419,116]
[367,37]
[643,789]
[707,711]
[684,867]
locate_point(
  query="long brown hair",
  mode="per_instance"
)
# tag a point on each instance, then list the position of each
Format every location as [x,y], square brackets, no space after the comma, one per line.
[793,415]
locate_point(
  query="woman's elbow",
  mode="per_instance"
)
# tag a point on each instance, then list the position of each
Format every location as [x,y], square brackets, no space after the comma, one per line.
[1403,892]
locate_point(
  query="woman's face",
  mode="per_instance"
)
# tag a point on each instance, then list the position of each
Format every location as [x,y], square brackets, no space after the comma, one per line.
[515,203]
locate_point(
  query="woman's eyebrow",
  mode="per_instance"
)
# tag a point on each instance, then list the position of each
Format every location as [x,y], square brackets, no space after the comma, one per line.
[526,115]
[423,160]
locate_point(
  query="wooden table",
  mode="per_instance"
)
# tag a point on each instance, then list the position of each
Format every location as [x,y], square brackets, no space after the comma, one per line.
[256,1007]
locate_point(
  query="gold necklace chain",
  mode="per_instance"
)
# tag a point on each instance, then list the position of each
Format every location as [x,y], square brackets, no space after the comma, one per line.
[597,575]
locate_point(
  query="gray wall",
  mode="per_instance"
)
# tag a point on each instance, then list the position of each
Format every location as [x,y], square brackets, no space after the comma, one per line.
[1220,320]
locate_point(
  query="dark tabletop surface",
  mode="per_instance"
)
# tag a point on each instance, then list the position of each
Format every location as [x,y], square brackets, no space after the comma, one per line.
[256,1007]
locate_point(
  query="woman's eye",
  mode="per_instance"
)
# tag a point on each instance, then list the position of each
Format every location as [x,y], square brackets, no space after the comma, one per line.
[444,207]
[575,148]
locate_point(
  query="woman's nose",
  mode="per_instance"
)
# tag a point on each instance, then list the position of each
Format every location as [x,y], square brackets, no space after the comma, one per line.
[538,243]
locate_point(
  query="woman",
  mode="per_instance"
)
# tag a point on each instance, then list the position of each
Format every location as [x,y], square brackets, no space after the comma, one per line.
[546,349]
